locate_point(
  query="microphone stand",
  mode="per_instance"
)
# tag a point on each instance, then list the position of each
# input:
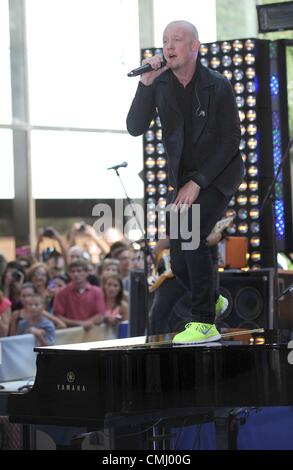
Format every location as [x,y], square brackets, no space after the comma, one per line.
[270,199]
[146,252]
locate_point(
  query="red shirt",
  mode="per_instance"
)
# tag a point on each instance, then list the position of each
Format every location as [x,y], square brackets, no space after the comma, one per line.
[76,305]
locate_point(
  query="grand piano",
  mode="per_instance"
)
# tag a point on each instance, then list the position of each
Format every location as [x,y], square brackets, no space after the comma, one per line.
[111,383]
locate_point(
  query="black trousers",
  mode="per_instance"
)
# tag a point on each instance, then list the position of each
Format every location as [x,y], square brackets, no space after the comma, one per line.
[194,268]
[171,306]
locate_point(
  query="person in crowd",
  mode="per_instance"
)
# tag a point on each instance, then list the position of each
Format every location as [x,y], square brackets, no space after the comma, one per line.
[28,290]
[80,303]
[12,280]
[109,266]
[36,324]
[201,135]
[55,284]
[124,257]
[38,275]
[5,314]
[116,307]
[53,256]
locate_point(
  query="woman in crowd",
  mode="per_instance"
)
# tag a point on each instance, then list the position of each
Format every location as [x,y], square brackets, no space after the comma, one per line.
[116,307]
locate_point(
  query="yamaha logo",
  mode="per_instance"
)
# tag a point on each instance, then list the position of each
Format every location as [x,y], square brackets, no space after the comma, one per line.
[70,385]
[70,377]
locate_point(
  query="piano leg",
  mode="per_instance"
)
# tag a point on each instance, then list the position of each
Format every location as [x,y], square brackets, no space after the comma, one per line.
[226,425]
[29,436]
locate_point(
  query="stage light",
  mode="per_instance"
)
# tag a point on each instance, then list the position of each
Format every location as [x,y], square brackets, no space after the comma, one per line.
[241,115]
[160,148]
[149,149]
[239,88]
[238,74]
[204,62]
[254,214]
[243,186]
[159,134]
[158,121]
[237,59]
[203,50]
[252,171]
[249,45]
[253,185]
[243,228]
[150,162]
[215,62]
[237,45]
[228,74]
[249,59]
[226,61]
[241,62]
[215,48]
[151,216]
[151,189]
[148,53]
[251,115]
[252,143]
[226,47]
[250,73]
[240,101]
[151,203]
[161,162]
[162,202]
[150,176]
[232,229]
[255,242]
[251,101]
[254,227]
[149,136]
[242,200]
[242,214]
[162,189]
[254,200]
[161,176]
[255,256]
[251,130]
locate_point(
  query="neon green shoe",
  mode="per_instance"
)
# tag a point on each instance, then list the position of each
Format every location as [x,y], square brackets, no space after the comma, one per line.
[197,333]
[221,306]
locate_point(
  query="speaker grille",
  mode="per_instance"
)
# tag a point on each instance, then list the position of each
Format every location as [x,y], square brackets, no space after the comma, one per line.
[248,303]
[250,296]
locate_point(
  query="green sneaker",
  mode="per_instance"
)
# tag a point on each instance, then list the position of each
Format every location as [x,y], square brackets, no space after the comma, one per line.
[197,333]
[221,306]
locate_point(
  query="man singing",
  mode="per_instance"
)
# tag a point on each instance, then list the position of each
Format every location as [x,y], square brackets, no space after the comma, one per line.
[201,135]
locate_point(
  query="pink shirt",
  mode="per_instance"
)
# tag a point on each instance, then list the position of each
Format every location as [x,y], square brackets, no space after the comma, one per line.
[4,305]
[75,305]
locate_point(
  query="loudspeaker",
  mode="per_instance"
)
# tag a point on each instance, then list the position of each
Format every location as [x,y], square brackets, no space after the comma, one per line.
[275,17]
[138,304]
[285,279]
[250,296]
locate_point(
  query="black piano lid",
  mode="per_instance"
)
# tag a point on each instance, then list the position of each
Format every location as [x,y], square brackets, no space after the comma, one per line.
[232,338]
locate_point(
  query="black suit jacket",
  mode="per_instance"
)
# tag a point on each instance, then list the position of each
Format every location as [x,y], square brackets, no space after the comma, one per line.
[215,122]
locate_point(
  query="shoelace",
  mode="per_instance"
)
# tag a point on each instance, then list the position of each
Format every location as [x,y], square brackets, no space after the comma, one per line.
[199,327]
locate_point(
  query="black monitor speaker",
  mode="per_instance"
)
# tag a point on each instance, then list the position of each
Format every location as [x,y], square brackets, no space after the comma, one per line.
[137,304]
[275,17]
[250,296]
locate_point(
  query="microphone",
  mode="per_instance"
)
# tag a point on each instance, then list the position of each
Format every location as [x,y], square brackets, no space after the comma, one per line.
[145,68]
[121,165]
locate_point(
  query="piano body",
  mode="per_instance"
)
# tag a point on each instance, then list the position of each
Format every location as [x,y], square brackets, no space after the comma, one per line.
[84,384]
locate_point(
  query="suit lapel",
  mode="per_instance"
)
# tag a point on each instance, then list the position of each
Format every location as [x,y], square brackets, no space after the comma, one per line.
[168,92]
[201,98]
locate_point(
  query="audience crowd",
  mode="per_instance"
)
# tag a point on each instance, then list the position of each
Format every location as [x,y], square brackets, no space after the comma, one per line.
[66,283]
